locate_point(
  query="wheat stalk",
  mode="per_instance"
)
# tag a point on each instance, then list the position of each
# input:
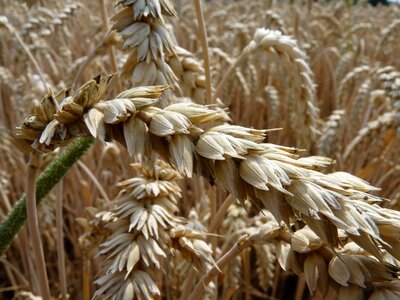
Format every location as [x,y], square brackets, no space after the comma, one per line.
[347,83]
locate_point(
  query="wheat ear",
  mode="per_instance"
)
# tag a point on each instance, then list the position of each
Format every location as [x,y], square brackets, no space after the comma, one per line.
[302,111]
[143,233]
[142,26]
[230,155]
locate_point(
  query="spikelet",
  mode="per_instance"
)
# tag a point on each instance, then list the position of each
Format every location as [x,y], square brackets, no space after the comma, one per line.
[360,104]
[190,74]
[344,64]
[265,265]
[232,227]
[58,119]
[350,266]
[48,22]
[359,28]
[388,33]
[275,21]
[388,79]
[265,251]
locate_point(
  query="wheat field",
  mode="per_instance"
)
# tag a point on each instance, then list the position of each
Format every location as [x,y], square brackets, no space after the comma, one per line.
[160,149]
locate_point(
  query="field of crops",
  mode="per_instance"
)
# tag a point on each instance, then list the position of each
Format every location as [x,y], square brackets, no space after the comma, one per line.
[160,149]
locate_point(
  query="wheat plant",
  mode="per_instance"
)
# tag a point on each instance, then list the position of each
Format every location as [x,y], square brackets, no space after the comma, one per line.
[158,149]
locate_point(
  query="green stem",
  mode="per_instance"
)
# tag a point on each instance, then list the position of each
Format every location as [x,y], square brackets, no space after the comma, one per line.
[44,184]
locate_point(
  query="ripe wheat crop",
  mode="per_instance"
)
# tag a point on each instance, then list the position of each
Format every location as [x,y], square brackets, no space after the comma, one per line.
[159,149]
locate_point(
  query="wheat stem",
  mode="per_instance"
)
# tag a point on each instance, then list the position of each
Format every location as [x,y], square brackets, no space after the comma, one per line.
[204,43]
[33,225]
[28,53]
[16,271]
[111,50]
[213,239]
[62,275]
[94,180]
[229,73]
[188,285]
[219,216]
[247,277]
[86,279]
[239,246]
[301,284]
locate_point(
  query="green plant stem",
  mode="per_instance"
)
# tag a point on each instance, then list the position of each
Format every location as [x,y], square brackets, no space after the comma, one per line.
[44,184]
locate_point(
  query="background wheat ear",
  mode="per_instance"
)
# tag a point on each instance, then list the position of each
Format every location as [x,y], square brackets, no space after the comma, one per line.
[146,36]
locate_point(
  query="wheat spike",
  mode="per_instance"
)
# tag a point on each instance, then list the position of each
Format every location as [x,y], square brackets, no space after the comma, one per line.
[143,232]
[302,111]
[329,142]
[141,23]
[235,157]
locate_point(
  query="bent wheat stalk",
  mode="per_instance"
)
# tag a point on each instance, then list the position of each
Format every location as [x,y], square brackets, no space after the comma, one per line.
[233,156]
